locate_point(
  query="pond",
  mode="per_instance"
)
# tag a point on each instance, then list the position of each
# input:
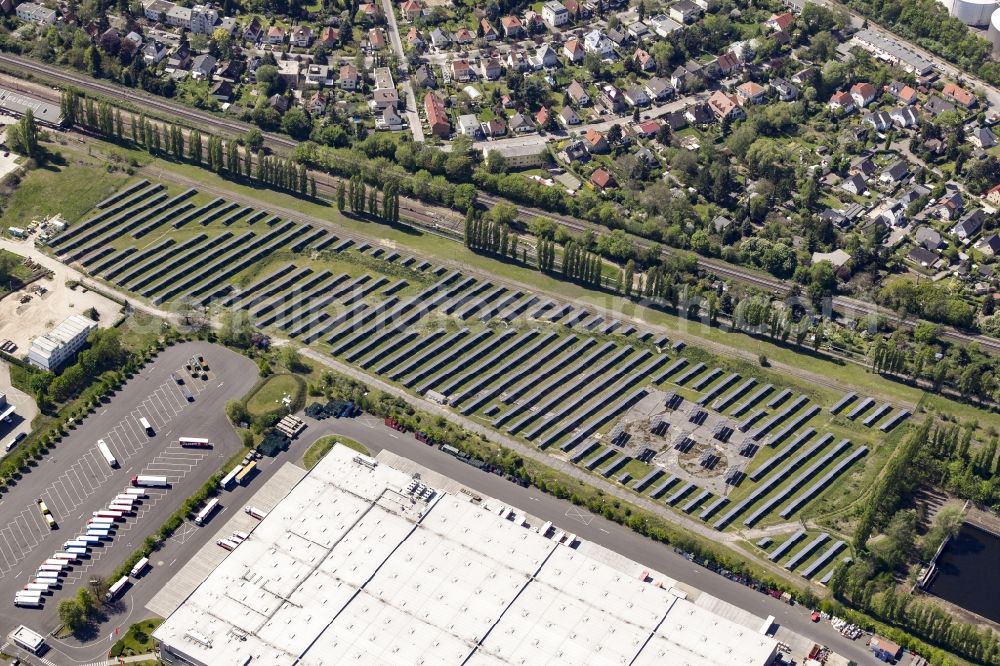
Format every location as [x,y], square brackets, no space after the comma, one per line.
[969,572]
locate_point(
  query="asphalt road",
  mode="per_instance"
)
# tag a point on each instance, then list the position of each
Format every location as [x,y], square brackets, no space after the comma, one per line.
[371,432]
[74,480]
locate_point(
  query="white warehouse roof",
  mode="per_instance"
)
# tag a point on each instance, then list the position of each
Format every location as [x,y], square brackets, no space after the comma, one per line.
[352,567]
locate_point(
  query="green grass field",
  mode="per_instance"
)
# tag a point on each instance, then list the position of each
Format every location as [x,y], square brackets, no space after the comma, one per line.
[323,445]
[268,397]
[70,190]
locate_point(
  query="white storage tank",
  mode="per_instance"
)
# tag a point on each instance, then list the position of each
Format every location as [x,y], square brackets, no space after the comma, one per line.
[993,33]
[971,12]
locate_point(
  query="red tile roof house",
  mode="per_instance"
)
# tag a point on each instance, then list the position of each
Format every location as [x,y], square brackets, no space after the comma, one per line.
[863,94]
[644,60]
[841,101]
[601,179]
[724,106]
[780,22]
[573,50]
[512,27]
[412,10]
[750,93]
[437,117]
[596,142]
[542,117]
[461,70]
[960,95]
[648,128]
[489,32]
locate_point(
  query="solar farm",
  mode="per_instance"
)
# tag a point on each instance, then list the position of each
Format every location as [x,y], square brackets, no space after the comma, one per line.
[732,449]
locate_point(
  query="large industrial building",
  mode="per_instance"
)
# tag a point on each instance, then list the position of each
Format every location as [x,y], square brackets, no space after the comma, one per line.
[53,349]
[361,563]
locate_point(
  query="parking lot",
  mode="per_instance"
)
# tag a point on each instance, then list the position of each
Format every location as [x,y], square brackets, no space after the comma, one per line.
[74,480]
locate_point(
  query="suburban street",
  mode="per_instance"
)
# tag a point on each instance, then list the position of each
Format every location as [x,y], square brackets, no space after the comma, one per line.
[412,109]
[74,480]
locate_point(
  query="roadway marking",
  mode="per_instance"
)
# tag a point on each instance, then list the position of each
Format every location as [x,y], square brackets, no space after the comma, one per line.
[580,515]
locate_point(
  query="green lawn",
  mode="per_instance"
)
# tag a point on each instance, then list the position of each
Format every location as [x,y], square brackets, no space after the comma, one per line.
[268,397]
[323,445]
[137,640]
[71,190]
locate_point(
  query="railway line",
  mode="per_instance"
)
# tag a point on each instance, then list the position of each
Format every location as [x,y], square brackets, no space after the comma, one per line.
[438,218]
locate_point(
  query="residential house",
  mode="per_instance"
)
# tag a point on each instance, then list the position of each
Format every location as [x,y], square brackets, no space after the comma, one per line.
[904,116]
[596,142]
[913,193]
[383,98]
[222,91]
[568,117]
[177,16]
[554,14]
[203,66]
[990,246]
[437,117]
[805,76]
[969,225]
[153,52]
[520,125]
[180,58]
[278,102]
[993,195]
[230,70]
[424,77]
[376,39]
[728,63]
[512,27]
[842,101]
[440,38]
[618,37]
[658,88]
[317,103]
[663,25]
[602,179]
[371,12]
[750,93]
[780,22]
[291,72]
[545,58]
[647,129]
[253,30]
[725,106]
[895,173]
[880,120]
[389,120]
[414,40]
[412,10]
[302,36]
[686,75]
[636,96]
[854,185]
[935,106]
[461,71]
[903,92]
[577,9]
[489,32]
[981,137]
[863,94]
[786,91]
[329,36]
[275,35]
[950,205]
[597,42]
[685,11]
[578,93]
[494,127]
[929,238]
[637,30]
[612,98]
[517,60]
[960,95]
[924,258]
[575,151]
[468,125]
[542,116]
[348,78]
[492,69]
[699,113]
[464,36]
[643,60]
[863,166]
[573,50]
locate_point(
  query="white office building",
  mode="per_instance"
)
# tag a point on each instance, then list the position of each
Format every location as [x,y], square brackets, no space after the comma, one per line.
[554,14]
[52,350]
[361,563]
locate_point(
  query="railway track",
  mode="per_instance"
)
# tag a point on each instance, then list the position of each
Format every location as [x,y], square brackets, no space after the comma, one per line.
[440,218]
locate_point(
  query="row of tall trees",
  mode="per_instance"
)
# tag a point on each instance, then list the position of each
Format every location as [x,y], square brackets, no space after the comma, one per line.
[487,235]
[357,197]
[581,265]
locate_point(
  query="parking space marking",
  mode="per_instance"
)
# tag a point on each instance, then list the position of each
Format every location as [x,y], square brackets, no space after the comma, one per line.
[57,501]
[70,485]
